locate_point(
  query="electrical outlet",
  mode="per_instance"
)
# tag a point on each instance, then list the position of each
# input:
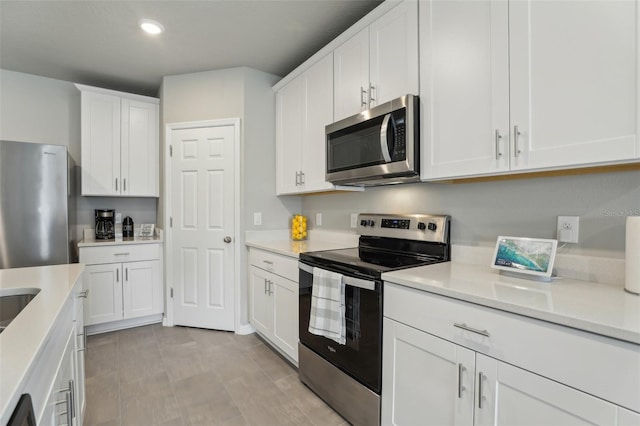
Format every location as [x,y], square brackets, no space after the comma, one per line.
[568,229]
[118,217]
[257,218]
[354,220]
[318,219]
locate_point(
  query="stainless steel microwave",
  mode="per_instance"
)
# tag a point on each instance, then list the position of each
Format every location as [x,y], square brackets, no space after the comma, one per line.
[376,147]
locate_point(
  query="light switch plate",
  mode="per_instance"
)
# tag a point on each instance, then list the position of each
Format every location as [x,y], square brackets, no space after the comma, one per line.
[257,218]
[354,220]
[118,217]
[318,219]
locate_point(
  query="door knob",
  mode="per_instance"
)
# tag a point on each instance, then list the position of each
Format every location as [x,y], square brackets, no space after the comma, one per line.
[227,240]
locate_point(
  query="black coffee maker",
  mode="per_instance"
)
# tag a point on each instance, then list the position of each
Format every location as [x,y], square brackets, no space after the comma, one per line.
[105,224]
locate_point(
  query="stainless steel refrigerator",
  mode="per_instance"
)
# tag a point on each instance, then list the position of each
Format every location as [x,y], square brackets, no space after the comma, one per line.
[37,205]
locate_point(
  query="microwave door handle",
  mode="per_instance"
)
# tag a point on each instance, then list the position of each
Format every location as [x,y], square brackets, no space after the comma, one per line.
[384,146]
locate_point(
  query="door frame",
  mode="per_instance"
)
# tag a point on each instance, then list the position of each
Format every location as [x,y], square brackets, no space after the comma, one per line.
[168,198]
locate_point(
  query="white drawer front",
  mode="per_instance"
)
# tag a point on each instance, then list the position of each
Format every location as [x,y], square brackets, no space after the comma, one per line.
[605,367]
[119,253]
[280,265]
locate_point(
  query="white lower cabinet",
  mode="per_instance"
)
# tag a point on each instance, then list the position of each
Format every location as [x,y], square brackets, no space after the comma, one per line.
[60,409]
[122,290]
[438,373]
[273,308]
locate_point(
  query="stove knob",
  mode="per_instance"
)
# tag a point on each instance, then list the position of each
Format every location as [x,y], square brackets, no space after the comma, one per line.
[422,226]
[371,222]
[432,226]
[363,222]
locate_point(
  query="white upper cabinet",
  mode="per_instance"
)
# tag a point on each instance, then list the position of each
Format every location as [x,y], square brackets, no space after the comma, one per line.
[573,82]
[379,63]
[120,145]
[527,85]
[464,75]
[303,108]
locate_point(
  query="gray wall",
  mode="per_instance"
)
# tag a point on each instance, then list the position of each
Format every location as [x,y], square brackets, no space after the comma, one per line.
[44,110]
[524,207]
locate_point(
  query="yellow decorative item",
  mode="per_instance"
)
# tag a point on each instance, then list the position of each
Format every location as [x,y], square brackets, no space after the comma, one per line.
[298,227]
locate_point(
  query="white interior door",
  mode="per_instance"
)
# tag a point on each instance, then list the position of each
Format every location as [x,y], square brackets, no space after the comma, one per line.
[202,209]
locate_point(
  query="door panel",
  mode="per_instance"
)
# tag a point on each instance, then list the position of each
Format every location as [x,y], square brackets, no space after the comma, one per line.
[260,304]
[139,166]
[104,283]
[203,215]
[142,289]
[351,76]
[285,315]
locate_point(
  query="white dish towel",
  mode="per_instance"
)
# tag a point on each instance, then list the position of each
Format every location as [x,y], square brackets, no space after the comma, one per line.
[328,306]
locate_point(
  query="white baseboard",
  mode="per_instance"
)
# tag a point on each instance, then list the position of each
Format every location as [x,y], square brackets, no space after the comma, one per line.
[124,324]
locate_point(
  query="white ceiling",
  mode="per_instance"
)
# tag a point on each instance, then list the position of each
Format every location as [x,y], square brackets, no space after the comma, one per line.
[99,42]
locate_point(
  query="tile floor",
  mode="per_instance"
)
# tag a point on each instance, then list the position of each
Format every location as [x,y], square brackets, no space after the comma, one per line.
[156,375]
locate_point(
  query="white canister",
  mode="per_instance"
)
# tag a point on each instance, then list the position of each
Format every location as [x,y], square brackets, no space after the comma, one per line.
[632,255]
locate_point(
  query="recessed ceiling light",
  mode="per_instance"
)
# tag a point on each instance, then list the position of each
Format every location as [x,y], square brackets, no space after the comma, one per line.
[150,26]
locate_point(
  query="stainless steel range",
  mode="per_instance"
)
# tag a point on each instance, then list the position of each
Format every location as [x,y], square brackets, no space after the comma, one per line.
[341,359]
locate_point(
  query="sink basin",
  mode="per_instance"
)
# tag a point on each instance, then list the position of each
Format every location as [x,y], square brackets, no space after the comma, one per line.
[12,302]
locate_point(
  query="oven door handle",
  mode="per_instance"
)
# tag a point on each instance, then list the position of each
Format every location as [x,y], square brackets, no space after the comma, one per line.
[352,281]
[357,282]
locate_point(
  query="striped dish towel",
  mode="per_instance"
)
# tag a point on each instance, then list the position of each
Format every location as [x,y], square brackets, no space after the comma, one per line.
[328,306]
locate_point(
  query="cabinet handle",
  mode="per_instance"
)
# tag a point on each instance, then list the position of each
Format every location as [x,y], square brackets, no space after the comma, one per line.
[126,274]
[302,179]
[516,147]
[480,396]
[83,294]
[124,184]
[72,397]
[297,179]
[461,369]
[269,288]
[69,397]
[372,98]
[268,262]
[265,286]
[117,275]
[122,254]
[363,97]
[498,137]
[473,330]
[116,184]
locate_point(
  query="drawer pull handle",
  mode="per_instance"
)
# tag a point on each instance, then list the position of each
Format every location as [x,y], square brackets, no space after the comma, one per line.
[268,262]
[471,329]
[121,254]
[481,397]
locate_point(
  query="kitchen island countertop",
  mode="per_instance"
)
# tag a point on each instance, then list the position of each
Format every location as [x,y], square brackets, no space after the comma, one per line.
[583,305]
[26,335]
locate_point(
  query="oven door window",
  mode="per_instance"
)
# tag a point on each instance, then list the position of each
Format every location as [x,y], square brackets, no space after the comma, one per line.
[361,355]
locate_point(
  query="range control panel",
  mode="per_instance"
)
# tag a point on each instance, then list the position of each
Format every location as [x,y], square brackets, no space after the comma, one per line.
[421,227]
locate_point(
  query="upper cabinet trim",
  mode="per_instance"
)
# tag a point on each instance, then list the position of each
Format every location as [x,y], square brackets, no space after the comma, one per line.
[133,96]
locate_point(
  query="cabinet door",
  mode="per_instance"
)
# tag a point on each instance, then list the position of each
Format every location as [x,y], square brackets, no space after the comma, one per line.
[100,135]
[318,95]
[104,300]
[60,409]
[393,62]
[140,148]
[80,349]
[289,133]
[285,314]
[573,82]
[142,289]
[464,87]
[524,398]
[425,380]
[260,304]
[351,76]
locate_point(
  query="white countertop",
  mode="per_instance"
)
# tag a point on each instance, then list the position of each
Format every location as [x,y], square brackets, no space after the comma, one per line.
[592,307]
[21,341]
[88,242]
[318,241]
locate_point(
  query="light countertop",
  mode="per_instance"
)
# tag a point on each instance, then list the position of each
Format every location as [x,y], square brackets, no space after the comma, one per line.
[592,307]
[89,242]
[318,241]
[25,336]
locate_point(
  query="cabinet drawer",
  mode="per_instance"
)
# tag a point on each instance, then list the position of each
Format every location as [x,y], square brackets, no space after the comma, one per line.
[278,264]
[119,253]
[602,366]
